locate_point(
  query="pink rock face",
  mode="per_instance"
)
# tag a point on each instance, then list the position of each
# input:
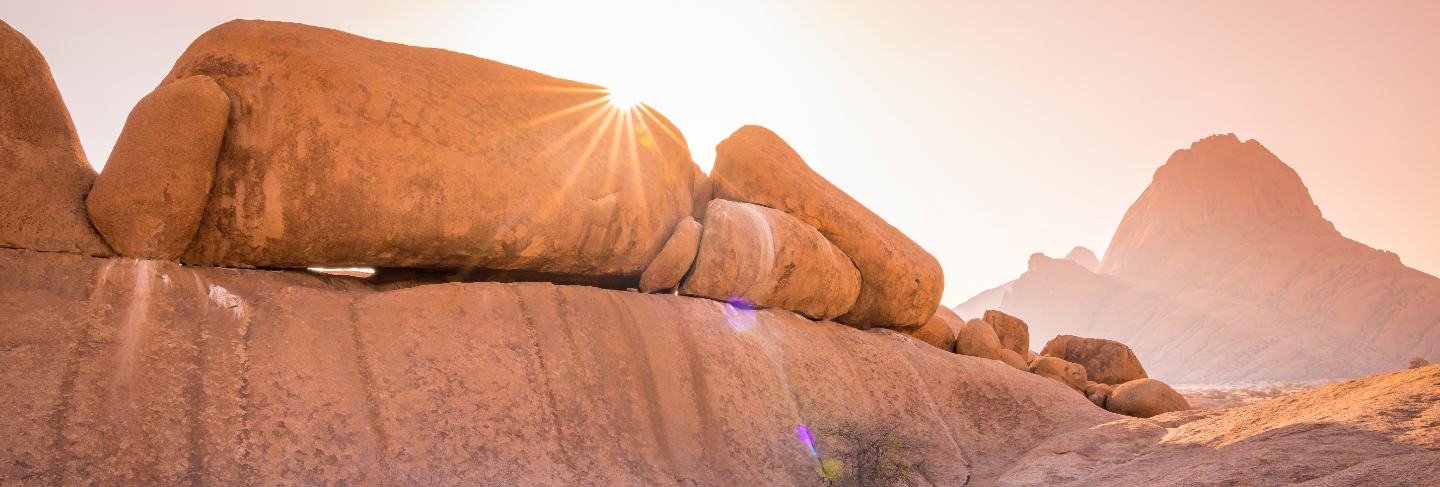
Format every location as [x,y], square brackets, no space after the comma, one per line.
[43,171]
[1224,270]
[152,373]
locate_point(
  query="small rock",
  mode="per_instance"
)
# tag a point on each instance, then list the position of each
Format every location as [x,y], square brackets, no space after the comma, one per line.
[1097,393]
[977,339]
[1068,373]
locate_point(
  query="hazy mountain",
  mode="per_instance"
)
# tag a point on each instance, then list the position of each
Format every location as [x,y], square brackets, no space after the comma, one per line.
[1225,270]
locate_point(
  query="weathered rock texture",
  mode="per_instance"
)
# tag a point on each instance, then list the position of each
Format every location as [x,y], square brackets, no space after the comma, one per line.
[1013,333]
[120,372]
[43,171]
[1106,361]
[900,282]
[770,259]
[1068,373]
[977,339]
[674,259]
[345,151]
[1143,398]
[148,201]
[1374,431]
[936,332]
[1225,271]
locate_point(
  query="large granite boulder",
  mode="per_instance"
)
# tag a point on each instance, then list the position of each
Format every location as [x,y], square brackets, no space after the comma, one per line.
[675,258]
[148,200]
[1013,332]
[1144,398]
[769,259]
[900,282]
[347,151]
[43,171]
[1107,361]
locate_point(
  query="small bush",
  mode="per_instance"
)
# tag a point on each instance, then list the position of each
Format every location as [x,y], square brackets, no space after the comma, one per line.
[868,455]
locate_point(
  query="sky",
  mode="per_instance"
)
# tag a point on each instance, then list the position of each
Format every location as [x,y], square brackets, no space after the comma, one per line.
[985,131]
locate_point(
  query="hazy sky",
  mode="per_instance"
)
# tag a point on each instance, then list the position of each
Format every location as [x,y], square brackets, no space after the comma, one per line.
[986,131]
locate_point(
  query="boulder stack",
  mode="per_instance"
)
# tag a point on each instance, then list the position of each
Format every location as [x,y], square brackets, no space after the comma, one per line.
[346,151]
[148,200]
[1107,361]
[1144,398]
[1013,332]
[43,171]
[900,282]
[770,260]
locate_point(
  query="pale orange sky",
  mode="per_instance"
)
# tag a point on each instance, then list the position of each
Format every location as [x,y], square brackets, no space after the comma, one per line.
[985,131]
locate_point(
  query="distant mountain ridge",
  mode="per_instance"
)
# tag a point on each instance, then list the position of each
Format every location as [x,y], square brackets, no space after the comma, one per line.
[1225,270]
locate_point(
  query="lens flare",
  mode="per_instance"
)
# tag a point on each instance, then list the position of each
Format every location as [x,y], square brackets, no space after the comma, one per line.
[807,438]
[621,99]
[740,313]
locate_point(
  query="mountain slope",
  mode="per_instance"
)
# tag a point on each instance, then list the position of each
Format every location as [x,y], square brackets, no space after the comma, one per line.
[1225,270]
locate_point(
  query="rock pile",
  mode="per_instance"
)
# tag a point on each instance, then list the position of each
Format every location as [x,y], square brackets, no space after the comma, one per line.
[1090,366]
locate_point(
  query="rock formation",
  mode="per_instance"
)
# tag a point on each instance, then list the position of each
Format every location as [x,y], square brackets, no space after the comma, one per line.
[1224,270]
[900,282]
[345,151]
[1014,334]
[1106,361]
[768,259]
[1013,359]
[977,339]
[1068,373]
[146,372]
[43,171]
[675,258]
[936,332]
[149,200]
[1143,398]
[1417,362]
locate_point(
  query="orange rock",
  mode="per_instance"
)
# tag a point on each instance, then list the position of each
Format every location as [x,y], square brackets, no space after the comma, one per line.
[1097,393]
[43,172]
[345,151]
[770,260]
[977,339]
[1013,359]
[1013,332]
[1107,361]
[674,259]
[143,367]
[901,282]
[1068,373]
[1144,398]
[936,332]
[147,202]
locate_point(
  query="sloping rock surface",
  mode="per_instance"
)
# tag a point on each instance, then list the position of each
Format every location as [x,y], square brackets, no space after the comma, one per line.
[119,371]
[1379,430]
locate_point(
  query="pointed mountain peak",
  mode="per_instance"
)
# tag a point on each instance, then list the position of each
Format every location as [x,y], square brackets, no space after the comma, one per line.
[1219,192]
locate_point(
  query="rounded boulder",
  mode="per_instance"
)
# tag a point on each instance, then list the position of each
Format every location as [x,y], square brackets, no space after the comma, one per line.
[148,201]
[769,259]
[900,282]
[344,151]
[674,260]
[936,331]
[1107,361]
[1143,398]
[1068,373]
[977,339]
[1013,332]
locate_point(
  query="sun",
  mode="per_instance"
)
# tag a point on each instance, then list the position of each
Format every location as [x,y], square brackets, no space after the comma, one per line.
[622,99]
